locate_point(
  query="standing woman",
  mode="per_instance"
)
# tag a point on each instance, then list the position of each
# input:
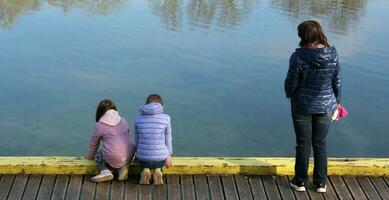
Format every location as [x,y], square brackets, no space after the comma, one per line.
[313,85]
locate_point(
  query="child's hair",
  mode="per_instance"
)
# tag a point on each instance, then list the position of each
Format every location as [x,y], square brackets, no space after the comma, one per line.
[104,106]
[310,31]
[154,98]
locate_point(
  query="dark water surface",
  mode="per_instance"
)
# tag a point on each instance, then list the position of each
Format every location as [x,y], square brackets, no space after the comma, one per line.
[219,64]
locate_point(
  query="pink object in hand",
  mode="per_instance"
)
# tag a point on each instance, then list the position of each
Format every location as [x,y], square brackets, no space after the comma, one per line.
[342,112]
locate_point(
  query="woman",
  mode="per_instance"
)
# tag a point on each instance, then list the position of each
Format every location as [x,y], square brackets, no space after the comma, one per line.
[313,85]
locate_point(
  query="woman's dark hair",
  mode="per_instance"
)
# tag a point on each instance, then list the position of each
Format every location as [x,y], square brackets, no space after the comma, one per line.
[104,106]
[310,31]
[154,98]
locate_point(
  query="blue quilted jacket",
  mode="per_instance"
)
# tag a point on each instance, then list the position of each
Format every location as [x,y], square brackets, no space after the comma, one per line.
[314,80]
[153,133]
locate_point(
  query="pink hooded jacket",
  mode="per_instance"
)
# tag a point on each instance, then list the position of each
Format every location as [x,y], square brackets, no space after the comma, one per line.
[113,130]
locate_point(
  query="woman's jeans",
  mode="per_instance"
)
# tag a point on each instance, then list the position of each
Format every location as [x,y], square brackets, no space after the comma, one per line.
[311,130]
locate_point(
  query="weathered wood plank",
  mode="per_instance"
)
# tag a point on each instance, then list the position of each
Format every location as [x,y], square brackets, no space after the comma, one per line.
[116,190]
[131,188]
[243,186]
[32,187]
[145,192]
[381,187]
[174,189]
[270,187]
[74,188]
[160,192]
[18,187]
[102,190]
[60,187]
[368,188]
[340,187]
[311,189]
[88,189]
[215,187]
[257,187]
[353,186]
[229,187]
[330,194]
[284,188]
[46,187]
[299,195]
[5,185]
[201,185]
[187,187]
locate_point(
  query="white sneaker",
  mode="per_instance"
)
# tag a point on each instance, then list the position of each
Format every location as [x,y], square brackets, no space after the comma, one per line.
[299,187]
[105,175]
[322,188]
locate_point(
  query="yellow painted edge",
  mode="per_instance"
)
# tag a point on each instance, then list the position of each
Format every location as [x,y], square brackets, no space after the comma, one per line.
[197,165]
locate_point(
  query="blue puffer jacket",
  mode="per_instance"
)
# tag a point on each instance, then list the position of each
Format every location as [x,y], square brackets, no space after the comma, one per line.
[153,133]
[314,80]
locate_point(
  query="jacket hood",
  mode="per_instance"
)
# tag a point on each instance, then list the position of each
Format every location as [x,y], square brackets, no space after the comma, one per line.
[317,57]
[111,118]
[151,109]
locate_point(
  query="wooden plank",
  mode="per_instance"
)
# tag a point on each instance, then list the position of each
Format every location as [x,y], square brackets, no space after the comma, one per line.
[173,187]
[215,187]
[32,187]
[299,195]
[368,188]
[284,188]
[102,190]
[46,187]
[74,188]
[340,187]
[353,186]
[257,188]
[131,188]
[229,188]
[187,187]
[117,190]
[380,185]
[330,194]
[201,187]
[5,185]
[311,189]
[18,187]
[160,192]
[145,192]
[243,186]
[60,187]
[270,186]
[88,189]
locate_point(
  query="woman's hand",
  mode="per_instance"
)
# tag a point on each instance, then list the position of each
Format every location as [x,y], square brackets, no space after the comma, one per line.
[88,158]
[169,162]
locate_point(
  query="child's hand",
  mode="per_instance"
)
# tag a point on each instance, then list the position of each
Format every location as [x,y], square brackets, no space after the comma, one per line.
[169,162]
[88,158]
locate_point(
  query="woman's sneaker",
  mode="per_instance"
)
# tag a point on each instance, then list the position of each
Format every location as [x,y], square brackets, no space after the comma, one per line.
[145,176]
[158,177]
[297,185]
[322,187]
[105,175]
[123,173]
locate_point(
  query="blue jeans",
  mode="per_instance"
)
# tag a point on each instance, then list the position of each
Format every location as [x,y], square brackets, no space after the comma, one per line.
[151,164]
[311,130]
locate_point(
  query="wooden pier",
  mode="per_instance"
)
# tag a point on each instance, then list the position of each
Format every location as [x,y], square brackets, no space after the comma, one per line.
[189,187]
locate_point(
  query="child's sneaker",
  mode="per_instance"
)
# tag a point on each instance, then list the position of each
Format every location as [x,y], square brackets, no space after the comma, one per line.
[322,187]
[298,186]
[105,175]
[158,177]
[145,176]
[123,173]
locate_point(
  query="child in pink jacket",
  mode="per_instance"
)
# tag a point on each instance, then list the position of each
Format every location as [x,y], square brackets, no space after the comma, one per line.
[118,150]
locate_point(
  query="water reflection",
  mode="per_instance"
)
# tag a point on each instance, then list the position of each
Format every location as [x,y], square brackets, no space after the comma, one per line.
[11,9]
[339,15]
[170,11]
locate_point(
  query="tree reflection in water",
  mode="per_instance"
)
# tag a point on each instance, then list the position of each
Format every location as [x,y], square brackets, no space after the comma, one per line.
[338,15]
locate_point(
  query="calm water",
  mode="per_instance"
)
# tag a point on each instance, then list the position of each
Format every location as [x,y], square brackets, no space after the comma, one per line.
[219,64]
